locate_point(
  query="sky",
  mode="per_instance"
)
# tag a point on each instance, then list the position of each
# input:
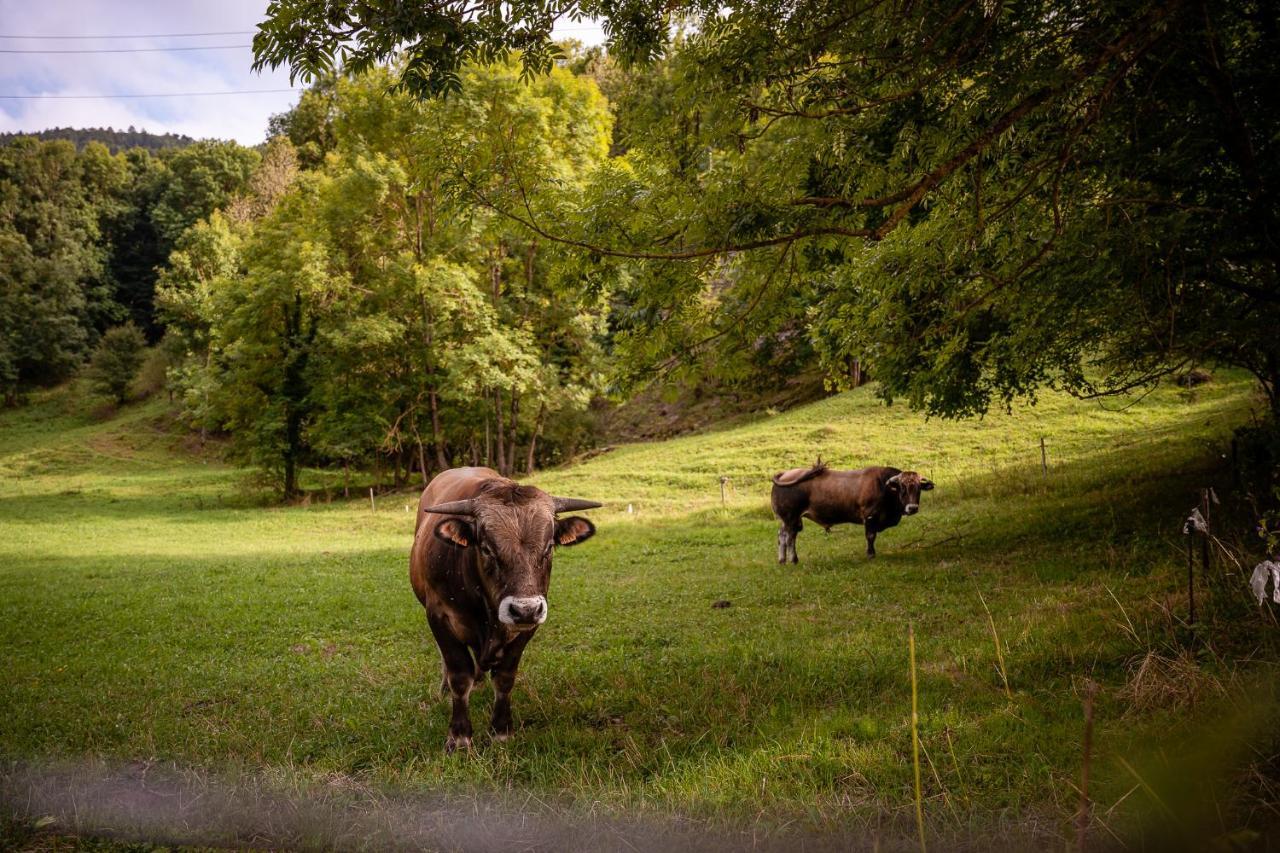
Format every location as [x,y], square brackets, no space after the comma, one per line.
[242,117]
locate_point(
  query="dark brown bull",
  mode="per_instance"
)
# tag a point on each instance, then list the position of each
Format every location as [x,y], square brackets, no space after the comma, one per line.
[876,498]
[481,566]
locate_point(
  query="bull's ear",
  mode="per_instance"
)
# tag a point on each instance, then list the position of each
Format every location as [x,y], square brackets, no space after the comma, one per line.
[455,531]
[574,529]
[926,485]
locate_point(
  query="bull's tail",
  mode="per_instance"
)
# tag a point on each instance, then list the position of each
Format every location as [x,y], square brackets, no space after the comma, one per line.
[799,475]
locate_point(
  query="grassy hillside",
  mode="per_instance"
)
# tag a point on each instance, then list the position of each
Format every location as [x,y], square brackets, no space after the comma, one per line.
[150,610]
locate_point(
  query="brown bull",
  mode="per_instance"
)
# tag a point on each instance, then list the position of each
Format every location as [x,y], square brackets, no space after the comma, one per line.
[876,498]
[481,566]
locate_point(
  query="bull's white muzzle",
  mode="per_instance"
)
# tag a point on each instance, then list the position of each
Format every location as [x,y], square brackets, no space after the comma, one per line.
[523,612]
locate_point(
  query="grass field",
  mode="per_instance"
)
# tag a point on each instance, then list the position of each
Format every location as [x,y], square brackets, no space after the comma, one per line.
[153,607]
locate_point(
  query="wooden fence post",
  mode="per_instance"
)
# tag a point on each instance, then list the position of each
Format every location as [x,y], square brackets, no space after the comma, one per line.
[1204,539]
[1191,581]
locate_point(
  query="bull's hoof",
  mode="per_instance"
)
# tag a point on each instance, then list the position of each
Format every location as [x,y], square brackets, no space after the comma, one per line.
[456,742]
[501,737]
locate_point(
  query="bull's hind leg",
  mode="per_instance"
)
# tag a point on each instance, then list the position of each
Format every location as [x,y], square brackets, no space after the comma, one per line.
[795,532]
[871,538]
[787,540]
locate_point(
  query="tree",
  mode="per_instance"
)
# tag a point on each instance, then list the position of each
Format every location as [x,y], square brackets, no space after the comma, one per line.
[135,249]
[309,124]
[371,310]
[468,304]
[116,360]
[263,334]
[199,179]
[55,295]
[979,199]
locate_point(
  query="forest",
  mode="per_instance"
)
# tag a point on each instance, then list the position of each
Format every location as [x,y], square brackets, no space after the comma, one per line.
[115,140]
[332,298]
[569,225]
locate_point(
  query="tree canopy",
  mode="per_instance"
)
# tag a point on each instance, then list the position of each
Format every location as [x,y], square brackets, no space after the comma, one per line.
[974,198]
[370,306]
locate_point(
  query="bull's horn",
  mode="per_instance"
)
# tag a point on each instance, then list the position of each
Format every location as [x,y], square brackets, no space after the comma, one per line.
[453,508]
[574,504]
[894,478]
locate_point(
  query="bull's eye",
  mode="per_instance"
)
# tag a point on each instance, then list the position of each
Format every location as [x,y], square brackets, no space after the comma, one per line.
[546,552]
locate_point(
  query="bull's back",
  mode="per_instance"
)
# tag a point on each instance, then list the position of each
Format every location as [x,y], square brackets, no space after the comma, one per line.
[843,497]
[455,484]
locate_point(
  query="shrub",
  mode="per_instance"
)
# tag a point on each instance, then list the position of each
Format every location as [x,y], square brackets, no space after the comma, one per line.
[116,361]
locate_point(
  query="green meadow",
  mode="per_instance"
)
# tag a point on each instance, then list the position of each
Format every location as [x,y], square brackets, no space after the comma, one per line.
[155,605]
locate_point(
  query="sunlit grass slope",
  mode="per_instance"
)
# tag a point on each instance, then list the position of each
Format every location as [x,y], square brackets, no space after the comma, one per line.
[148,609]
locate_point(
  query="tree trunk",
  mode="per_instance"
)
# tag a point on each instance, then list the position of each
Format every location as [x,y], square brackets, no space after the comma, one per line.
[1272,386]
[533,441]
[500,433]
[297,344]
[437,438]
[290,476]
[514,427]
[495,273]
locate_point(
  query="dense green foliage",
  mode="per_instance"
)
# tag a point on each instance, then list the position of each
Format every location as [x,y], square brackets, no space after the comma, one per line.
[116,360]
[152,611]
[115,140]
[969,203]
[975,199]
[81,236]
[369,307]
[54,288]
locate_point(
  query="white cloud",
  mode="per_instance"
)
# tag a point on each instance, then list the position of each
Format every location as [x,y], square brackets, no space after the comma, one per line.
[239,117]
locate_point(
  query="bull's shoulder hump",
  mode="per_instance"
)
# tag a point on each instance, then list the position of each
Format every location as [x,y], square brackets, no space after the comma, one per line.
[455,484]
[469,473]
[477,471]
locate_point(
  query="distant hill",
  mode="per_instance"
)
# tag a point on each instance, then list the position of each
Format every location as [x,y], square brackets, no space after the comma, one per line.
[115,140]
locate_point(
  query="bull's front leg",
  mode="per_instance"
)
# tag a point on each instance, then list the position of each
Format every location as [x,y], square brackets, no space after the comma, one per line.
[871,537]
[460,677]
[504,680]
[460,684]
